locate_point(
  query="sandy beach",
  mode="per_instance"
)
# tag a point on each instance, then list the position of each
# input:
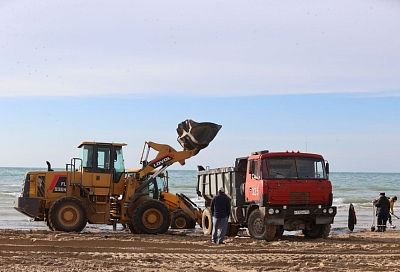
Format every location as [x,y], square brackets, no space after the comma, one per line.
[176,251]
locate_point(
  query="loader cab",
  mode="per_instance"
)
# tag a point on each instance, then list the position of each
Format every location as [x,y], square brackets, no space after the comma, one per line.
[104,158]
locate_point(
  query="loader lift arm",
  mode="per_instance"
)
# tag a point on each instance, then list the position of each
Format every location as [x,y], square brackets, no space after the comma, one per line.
[165,157]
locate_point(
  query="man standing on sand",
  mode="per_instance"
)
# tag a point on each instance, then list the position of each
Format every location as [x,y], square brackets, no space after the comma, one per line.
[382,211]
[220,210]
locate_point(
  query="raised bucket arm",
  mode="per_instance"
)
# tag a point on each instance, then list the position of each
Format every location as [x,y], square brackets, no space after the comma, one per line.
[192,136]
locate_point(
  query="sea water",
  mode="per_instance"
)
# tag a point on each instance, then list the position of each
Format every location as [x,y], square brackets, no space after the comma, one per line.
[360,189]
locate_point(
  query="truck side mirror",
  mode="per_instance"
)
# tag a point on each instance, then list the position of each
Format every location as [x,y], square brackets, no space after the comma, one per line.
[327,168]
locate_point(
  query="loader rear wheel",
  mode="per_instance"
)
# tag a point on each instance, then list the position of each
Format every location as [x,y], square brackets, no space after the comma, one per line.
[258,229]
[180,220]
[151,217]
[67,214]
[206,221]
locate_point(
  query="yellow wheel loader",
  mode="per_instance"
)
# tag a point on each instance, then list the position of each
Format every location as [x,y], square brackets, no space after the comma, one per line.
[96,189]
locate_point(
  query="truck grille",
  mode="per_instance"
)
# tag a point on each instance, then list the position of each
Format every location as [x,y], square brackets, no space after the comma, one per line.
[299,198]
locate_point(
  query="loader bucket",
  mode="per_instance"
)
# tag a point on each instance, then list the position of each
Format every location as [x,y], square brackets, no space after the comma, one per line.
[193,135]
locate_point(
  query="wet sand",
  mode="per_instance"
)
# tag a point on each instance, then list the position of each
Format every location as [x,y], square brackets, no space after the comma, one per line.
[176,251]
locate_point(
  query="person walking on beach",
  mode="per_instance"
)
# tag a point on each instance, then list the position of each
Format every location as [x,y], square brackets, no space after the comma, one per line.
[392,200]
[220,210]
[382,211]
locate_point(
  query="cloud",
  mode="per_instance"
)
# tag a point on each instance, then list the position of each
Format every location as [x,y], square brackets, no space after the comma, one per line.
[203,49]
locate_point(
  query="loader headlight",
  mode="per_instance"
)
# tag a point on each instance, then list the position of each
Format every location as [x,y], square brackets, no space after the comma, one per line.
[271,211]
[330,210]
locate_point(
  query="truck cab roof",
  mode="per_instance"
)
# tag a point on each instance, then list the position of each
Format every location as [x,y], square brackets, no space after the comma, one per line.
[267,154]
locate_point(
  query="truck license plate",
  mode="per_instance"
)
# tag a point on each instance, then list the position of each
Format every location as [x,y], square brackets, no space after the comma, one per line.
[302,212]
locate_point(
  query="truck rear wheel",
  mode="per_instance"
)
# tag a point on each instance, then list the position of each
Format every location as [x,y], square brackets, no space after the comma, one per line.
[206,221]
[258,229]
[151,217]
[180,220]
[67,214]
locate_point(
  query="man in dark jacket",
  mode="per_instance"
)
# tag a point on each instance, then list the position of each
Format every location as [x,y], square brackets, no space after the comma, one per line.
[220,210]
[382,211]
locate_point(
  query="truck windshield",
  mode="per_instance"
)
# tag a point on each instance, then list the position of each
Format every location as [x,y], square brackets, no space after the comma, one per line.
[293,168]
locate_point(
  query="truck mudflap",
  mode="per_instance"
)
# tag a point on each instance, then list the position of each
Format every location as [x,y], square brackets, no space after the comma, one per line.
[29,206]
[319,214]
[193,135]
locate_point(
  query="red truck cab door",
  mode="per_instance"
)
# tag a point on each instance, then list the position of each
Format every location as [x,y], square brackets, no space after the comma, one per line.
[254,188]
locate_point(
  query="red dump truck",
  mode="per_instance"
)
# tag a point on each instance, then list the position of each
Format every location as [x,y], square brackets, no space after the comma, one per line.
[272,192]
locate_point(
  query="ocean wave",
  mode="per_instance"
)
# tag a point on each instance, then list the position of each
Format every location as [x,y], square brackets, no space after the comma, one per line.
[14,194]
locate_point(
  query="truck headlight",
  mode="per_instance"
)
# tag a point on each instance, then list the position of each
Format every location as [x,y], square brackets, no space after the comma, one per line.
[330,210]
[324,210]
[271,211]
[276,211]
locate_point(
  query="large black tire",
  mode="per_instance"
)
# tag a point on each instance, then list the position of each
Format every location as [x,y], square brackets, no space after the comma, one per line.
[258,229]
[151,217]
[46,218]
[233,230]
[279,231]
[317,231]
[132,229]
[325,230]
[67,214]
[180,220]
[206,221]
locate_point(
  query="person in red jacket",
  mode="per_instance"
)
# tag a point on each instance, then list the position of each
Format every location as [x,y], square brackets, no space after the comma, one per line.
[220,210]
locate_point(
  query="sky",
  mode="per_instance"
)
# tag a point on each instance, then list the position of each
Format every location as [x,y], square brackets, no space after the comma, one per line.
[315,76]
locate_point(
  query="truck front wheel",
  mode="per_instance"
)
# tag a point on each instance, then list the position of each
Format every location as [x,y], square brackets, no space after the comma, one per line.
[258,229]
[317,231]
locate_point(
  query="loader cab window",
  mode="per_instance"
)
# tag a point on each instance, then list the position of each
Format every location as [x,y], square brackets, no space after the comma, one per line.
[119,168]
[103,159]
[87,158]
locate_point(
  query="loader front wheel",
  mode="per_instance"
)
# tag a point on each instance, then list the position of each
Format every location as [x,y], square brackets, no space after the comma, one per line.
[180,220]
[67,214]
[151,217]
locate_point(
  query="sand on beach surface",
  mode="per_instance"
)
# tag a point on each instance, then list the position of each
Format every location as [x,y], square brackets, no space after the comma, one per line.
[176,251]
